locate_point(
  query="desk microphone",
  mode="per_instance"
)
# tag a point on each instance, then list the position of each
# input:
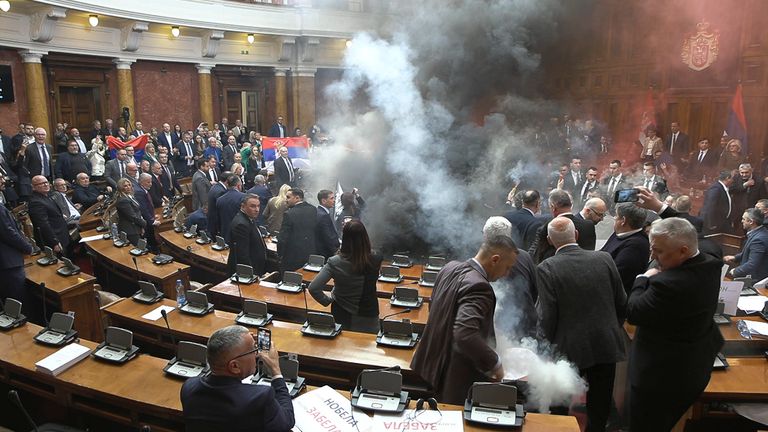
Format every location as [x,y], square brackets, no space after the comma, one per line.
[136,265]
[306,307]
[45,312]
[165,317]
[381,320]
[233,250]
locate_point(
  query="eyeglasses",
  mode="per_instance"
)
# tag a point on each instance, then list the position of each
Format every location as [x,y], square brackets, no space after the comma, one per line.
[254,350]
[40,183]
[598,214]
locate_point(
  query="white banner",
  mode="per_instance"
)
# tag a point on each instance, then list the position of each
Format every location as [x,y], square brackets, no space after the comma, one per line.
[325,409]
[423,420]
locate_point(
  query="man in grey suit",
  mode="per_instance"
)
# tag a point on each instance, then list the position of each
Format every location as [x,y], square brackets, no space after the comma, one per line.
[114,170]
[581,313]
[200,184]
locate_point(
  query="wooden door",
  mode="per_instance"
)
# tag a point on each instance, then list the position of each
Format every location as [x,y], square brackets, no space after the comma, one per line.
[251,117]
[234,106]
[78,107]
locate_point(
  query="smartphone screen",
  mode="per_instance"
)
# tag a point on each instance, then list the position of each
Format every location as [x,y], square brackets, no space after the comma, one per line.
[264,339]
[625,195]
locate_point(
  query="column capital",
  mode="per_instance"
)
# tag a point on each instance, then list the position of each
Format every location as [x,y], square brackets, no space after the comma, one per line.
[205,68]
[123,63]
[305,72]
[32,56]
[282,72]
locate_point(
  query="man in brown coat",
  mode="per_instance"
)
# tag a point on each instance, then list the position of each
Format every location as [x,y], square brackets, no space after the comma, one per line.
[456,349]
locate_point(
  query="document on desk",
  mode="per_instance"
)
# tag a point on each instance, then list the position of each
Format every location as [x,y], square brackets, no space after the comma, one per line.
[729,295]
[91,238]
[411,420]
[757,328]
[156,314]
[752,304]
[268,284]
[327,409]
[63,359]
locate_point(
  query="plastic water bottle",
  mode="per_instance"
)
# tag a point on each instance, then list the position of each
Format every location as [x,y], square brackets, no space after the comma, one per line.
[181,295]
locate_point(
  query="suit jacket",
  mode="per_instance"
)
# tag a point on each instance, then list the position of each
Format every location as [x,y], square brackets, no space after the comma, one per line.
[264,196]
[694,220]
[744,198]
[227,206]
[457,346]
[246,245]
[282,174]
[13,245]
[61,201]
[68,166]
[541,249]
[33,162]
[163,141]
[581,194]
[48,220]
[658,185]
[682,146]
[112,172]
[706,245]
[274,131]
[217,403]
[180,160]
[214,224]
[11,186]
[753,258]
[630,254]
[198,218]
[228,156]
[524,225]
[200,187]
[582,313]
[156,191]
[696,170]
[326,238]
[169,182]
[296,241]
[145,204]
[716,209]
[569,184]
[676,339]
[85,196]
[129,218]
[608,192]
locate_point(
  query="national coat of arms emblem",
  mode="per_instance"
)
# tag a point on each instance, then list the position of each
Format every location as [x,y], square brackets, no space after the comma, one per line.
[700,49]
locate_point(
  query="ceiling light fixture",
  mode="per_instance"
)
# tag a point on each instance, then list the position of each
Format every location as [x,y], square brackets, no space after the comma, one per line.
[5,5]
[93,20]
[348,43]
[175,31]
[251,38]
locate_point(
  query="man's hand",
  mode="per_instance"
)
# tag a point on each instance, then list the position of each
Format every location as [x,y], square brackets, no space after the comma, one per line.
[749,183]
[729,259]
[57,248]
[648,200]
[156,223]
[270,358]
[652,272]
[497,374]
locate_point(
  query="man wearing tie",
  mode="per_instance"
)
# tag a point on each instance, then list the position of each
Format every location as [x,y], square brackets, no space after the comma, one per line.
[285,173]
[81,147]
[37,157]
[716,210]
[115,169]
[702,162]
[613,182]
[168,177]
[228,153]
[47,218]
[165,139]
[574,178]
[653,182]
[678,143]
[589,185]
[13,247]
[70,211]
[184,161]
[277,130]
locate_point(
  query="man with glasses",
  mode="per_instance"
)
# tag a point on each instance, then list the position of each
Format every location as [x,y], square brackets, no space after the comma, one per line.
[47,218]
[277,130]
[37,156]
[221,401]
[594,210]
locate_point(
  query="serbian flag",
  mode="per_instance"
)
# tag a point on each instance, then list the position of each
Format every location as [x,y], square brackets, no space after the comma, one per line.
[138,144]
[298,147]
[737,121]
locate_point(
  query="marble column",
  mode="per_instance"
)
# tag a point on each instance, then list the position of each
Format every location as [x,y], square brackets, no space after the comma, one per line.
[303,97]
[125,88]
[37,102]
[281,96]
[206,93]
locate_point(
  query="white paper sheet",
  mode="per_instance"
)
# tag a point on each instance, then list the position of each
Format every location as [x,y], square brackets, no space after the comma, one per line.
[156,314]
[450,421]
[751,304]
[63,359]
[91,238]
[757,327]
[729,294]
[268,284]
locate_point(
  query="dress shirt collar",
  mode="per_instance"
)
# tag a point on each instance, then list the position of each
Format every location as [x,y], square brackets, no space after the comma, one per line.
[477,266]
[628,233]
[529,211]
[565,246]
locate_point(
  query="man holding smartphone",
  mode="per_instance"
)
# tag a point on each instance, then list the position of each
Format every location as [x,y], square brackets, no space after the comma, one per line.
[221,401]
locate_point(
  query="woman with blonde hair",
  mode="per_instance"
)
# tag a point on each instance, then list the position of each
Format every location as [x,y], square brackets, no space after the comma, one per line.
[276,207]
[129,219]
[731,157]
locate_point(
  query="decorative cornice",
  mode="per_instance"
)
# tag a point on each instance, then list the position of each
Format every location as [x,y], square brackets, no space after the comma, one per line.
[308,49]
[43,23]
[130,35]
[211,41]
[287,48]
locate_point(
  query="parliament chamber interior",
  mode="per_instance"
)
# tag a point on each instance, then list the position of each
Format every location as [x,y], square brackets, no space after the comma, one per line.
[575,190]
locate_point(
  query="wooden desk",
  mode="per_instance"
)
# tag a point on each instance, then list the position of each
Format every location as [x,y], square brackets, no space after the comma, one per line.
[383,289]
[72,293]
[139,393]
[335,361]
[89,221]
[135,394]
[120,262]
[290,306]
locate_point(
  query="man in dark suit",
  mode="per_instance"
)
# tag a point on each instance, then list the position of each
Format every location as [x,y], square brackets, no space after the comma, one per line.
[114,169]
[717,207]
[285,173]
[228,205]
[524,220]
[753,258]
[72,163]
[37,157]
[260,188]
[278,129]
[228,153]
[701,162]
[70,210]
[8,174]
[220,401]
[653,182]
[746,190]
[327,238]
[168,179]
[628,245]
[217,190]
[594,211]
[683,206]
[13,247]
[50,226]
[198,217]
[678,144]
[85,193]
[184,159]
[147,208]
[615,180]
[585,190]
[156,192]
[246,244]
[582,314]
[456,348]
[668,369]
[296,241]
[575,177]
[109,129]
[200,185]
[165,138]
[560,205]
